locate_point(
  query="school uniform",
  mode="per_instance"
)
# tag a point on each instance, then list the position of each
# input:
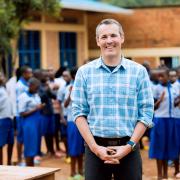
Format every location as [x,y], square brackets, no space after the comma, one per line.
[31,124]
[61,97]
[74,138]
[176,112]
[21,87]
[162,137]
[6,113]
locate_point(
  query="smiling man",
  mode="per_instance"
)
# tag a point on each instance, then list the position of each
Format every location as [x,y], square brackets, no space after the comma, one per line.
[112,107]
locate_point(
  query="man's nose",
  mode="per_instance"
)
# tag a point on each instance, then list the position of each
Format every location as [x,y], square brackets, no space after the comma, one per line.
[109,39]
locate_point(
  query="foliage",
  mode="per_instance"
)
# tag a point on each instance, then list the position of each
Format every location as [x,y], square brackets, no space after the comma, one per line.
[15,13]
[142,3]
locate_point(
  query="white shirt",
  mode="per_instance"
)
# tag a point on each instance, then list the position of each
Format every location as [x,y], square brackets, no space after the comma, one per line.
[166,107]
[69,108]
[11,89]
[61,97]
[176,111]
[28,102]
[60,81]
[6,109]
[21,87]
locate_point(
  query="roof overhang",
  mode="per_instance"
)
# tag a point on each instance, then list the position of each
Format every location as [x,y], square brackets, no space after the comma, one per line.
[93,6]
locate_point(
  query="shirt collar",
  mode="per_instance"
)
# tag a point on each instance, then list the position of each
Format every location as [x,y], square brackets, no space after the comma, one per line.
[23,81]
[100,63]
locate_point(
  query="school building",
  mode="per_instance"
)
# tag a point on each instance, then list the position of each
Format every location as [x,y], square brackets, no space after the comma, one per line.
[150,34]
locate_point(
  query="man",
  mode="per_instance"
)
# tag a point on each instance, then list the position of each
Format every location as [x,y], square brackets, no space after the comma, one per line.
[112,108]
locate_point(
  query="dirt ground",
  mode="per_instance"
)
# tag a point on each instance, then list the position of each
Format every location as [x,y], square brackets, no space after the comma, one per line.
[149,166]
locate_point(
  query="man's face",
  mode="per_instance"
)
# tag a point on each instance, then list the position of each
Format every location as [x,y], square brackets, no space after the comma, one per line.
[109,40]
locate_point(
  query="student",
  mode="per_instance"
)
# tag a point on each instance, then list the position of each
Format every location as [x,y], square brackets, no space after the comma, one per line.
[29,109]
[162,143]
[54,86]
[63,122]
[48,125]
[21,87]
[74,139]
[176,85]
[6,124]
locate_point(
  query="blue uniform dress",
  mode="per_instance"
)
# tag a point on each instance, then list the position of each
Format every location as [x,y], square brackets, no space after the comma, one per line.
[21,87]
[162,137]
[6,113]
[74,138]
[176,85]
[31,124]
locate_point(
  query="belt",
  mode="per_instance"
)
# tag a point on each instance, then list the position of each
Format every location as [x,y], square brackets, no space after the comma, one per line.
[111,141]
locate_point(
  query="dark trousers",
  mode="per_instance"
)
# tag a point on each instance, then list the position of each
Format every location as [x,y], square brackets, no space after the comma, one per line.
[130,167]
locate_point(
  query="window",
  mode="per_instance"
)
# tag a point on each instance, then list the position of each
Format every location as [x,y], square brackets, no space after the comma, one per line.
[68,49]
[29,49]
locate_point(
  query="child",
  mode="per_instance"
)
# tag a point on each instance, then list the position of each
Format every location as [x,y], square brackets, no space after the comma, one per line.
[162,144]
[6,124]
[75,141]
[29,108]
[48,123]
[21,87]
[176,86]
[63,122]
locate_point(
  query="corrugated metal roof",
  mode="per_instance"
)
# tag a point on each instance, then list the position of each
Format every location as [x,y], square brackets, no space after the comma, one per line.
[90,5]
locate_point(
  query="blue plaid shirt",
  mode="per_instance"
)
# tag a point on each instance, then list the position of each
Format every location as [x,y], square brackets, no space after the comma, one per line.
[113,102]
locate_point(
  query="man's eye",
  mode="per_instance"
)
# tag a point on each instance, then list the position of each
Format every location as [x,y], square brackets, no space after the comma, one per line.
[113,35]
[103,37]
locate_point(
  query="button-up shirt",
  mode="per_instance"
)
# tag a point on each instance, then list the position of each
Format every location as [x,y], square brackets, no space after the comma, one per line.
[113,102]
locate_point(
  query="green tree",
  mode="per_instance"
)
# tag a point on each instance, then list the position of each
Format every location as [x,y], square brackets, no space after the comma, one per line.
[14,14]
[142,3]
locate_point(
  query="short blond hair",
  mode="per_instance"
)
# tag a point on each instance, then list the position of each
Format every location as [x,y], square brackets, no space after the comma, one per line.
[107,22]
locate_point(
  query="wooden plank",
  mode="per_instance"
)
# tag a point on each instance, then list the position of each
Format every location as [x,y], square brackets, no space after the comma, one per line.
[25,173]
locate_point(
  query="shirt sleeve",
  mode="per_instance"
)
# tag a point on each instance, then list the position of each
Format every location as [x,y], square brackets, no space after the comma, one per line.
[2,98]
[80,105]
[22,103]
[145,99]
[60,94]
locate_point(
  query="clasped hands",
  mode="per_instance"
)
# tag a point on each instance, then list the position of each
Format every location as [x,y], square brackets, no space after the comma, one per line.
[112,154]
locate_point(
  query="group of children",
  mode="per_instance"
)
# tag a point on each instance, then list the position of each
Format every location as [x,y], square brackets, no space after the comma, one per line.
[165,135]
[40,104]
[42,108]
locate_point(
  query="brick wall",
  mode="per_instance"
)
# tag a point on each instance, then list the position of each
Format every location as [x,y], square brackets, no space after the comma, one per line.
[145,28]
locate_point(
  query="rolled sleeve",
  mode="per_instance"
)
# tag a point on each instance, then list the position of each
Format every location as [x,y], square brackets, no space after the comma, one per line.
[145,99]
[80,105]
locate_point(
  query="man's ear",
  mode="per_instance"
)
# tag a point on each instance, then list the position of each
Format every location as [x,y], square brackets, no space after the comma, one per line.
[122,39]
[97,41]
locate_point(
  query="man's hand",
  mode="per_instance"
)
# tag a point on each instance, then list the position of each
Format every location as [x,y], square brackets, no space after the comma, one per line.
[105,153]
[121,151]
